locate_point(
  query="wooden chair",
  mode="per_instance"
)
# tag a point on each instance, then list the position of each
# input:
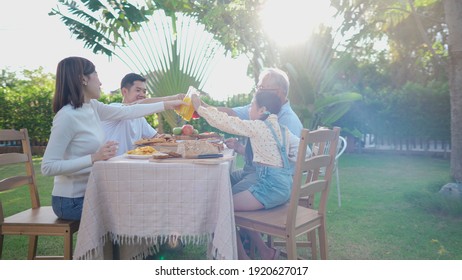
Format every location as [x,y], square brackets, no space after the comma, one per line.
[341,147]
[291,220]
[38,220]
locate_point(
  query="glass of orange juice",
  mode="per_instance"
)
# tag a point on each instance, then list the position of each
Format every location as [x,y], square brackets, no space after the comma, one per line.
[187,111]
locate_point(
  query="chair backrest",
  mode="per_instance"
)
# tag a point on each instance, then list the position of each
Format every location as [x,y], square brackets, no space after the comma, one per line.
[341,146]
[12,158]
[323,144]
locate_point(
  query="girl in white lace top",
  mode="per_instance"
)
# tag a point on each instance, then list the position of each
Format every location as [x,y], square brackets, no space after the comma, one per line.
[273,147]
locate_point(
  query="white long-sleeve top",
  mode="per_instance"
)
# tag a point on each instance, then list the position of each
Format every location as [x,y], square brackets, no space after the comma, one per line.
[78,133]
[264,146]
[126,132]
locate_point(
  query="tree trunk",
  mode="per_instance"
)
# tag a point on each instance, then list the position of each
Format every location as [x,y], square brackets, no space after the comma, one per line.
[453,14]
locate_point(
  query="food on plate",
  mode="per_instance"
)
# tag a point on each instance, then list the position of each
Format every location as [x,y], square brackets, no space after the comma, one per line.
[172,144]
[160,156]
[187,129]
[161,139]
[145,141]
[204,135]
[185,132]
[165,136]
[217,143]
[193,148]
[166,147]
[188,132]
[177,130]
[166,155]
[173,154]
[144,150]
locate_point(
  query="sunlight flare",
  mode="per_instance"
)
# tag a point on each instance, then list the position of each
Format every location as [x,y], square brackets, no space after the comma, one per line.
[290,22]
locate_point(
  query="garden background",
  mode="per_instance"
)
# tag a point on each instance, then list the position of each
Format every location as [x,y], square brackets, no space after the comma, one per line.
[384,69]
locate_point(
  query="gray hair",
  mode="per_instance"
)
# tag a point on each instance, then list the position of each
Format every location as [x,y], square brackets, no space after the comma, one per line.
[278,78]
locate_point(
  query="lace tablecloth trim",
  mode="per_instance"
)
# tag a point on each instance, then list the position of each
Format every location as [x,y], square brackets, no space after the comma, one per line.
[147,246]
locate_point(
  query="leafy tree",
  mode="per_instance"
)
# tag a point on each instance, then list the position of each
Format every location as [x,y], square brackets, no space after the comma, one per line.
[104,24]
[424,38]
[26,102]
[414,30]
[453,14]
[173,53]
[315,91]
[169,49]
[115,25]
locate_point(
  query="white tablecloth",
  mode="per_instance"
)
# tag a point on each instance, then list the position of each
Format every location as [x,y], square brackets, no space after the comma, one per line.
[137,203]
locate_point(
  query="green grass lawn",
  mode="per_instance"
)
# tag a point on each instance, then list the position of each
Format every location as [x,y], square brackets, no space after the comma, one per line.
[391,209]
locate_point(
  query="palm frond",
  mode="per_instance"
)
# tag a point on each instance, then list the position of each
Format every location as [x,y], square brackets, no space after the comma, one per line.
[93,39]
[331,108]
[333,100]
[84,16]
[173,53]
[93,5]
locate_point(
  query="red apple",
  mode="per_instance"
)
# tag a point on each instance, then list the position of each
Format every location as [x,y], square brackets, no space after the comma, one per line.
[187,129]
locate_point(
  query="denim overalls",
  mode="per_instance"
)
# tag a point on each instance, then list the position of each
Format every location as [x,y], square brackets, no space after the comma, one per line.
[273,186]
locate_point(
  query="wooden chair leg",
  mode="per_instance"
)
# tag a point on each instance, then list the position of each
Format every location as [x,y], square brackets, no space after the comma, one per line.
[312,242]
[33,239]
[291,247]
[323,242]
[252,249]
[270,241]
[1,245]
[68,246]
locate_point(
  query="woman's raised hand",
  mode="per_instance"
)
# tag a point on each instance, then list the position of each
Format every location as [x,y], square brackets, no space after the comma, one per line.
[196,101]
[107,151]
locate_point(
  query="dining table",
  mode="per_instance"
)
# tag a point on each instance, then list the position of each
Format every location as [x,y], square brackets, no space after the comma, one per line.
[140,204]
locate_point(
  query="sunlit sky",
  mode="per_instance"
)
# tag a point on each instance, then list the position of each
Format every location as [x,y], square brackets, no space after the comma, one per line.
[31,38]
[291,21]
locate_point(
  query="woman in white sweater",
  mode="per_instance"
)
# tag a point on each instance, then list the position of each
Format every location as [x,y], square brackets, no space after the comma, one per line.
[77,137]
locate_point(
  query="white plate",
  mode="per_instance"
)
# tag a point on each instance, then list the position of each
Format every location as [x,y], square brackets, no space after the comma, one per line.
[138,156]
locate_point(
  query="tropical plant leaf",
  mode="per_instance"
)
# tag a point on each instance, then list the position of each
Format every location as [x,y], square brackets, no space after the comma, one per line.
[93,5]
[83,15]
[173,53]
[115,19]
[333,113]
[92,38]
[333,100]
[425,3]
[354,132]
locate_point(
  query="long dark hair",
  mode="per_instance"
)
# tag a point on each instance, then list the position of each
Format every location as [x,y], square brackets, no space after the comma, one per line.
[269,99]
[69,75]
